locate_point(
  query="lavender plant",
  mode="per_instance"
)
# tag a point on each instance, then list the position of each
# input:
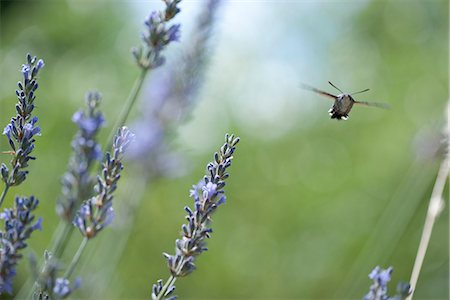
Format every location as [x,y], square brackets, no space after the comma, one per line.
[19,225]
[378,289]
[170,98]
[157,36]
[22,128]
[149,56]
[208,195]
[77,183]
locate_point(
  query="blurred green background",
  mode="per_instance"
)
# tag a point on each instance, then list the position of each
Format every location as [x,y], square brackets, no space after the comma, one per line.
[313,204]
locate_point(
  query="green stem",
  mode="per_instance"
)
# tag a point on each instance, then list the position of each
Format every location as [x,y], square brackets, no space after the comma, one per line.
[131,100]
[76,258]
[435,207]
[166,287]
[62,239]
[2,197]
[171,281]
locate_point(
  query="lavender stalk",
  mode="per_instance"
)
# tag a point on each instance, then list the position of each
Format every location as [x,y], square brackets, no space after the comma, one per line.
[149,55]
[208,195]
[97,212]
[435,207]
[170,98]
[77,183]
[22,128]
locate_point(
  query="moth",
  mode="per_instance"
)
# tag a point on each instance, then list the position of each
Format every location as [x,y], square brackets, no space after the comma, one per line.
[343,102]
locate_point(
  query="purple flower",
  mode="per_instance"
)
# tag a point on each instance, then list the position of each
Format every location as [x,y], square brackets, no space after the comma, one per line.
[222,200]
[29,131]
[385,276]
[109,216]
[7,131]
[209,190]
[193,193]
[89,124]
[374,274]
[84,213]
[25,71]
[34,120]
[381,276]
[97,153]
[77,116]
[37,225]
[174,33]
[40,64]
[153,20]
[19,225]
[62,288]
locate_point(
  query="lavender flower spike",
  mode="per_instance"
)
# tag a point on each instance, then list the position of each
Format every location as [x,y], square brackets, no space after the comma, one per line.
[157,36]
[207,195]
[22,128]
[171,96]
[379,291]
[97,212]
[77,183]
[19,225]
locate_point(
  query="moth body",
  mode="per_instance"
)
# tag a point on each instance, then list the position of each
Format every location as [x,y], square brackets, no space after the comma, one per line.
[341,107]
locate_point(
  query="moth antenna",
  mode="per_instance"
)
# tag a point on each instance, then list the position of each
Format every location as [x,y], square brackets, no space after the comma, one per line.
[335,87]
[363,91]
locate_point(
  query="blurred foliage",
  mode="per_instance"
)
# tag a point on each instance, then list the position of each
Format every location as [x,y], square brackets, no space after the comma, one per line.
[313,204]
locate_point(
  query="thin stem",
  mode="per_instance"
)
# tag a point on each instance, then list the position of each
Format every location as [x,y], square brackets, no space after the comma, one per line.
[434,209]
[131,100]
[2,197]
[76,258]
[170,282]
[447,151]
[62,239]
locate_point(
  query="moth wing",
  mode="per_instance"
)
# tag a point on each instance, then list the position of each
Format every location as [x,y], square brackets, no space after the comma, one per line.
[323,93]
[374,104]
